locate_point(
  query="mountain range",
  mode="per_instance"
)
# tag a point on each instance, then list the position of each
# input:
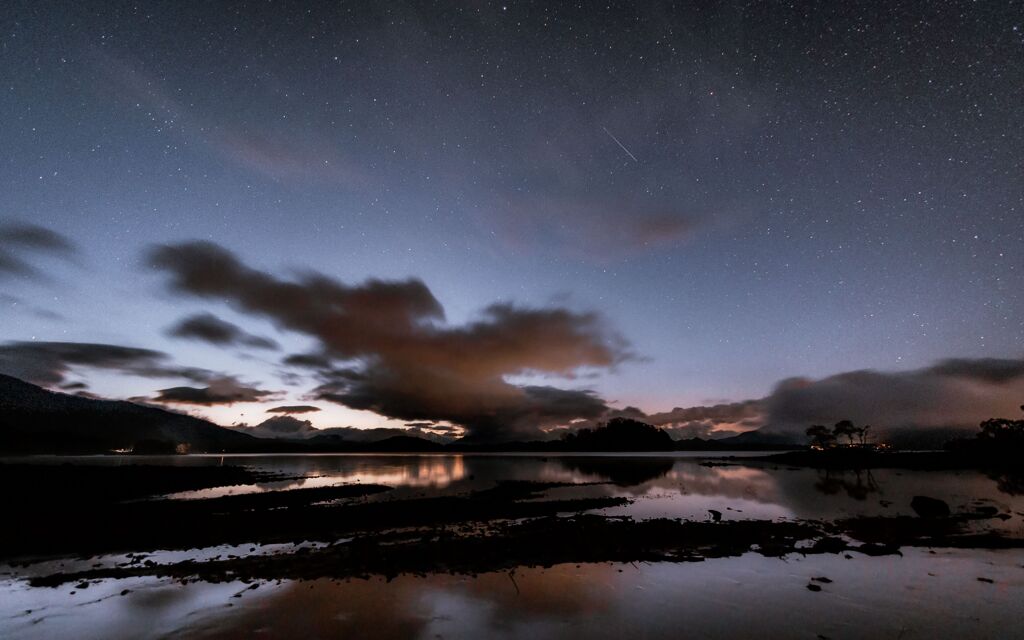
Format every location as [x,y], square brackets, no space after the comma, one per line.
[34,420]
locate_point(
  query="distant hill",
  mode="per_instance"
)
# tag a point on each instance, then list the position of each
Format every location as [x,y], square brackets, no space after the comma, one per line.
[620,434]
[762,438]
[34,420]
[932,438]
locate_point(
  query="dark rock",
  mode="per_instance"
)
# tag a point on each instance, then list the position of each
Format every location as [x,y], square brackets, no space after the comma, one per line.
[929,507]
[813,587]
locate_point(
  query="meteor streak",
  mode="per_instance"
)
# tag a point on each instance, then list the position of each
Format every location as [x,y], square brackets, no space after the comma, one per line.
[622,146]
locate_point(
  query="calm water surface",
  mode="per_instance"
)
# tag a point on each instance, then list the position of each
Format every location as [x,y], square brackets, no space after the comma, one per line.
[919,595]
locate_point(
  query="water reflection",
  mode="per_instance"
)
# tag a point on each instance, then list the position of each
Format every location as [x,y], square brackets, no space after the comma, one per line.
[857,484]
[407,472]
[660,486]
[622,472]
[1010,482]
[725,598]
[748,596]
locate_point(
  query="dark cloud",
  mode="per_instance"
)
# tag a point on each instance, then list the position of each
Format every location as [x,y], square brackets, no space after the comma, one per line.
[408,363]
[951,393]
[225,390]
[294,409]
[209,328]
[992,370]
[17,239]
[34,237]
[308,360]
[47,363]
[489,411]
[9,263]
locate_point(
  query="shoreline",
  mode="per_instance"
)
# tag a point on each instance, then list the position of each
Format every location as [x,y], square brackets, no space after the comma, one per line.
[512,523]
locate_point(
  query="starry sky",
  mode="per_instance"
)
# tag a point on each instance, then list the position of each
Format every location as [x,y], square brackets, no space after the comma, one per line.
[648,205]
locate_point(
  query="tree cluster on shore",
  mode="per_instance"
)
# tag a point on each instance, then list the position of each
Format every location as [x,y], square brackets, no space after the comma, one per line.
[998,436]
[824,438]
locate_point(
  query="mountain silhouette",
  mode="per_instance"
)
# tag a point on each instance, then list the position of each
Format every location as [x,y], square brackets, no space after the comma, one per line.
[34,420]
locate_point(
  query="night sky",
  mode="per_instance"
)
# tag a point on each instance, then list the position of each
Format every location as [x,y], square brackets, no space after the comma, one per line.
[505,216]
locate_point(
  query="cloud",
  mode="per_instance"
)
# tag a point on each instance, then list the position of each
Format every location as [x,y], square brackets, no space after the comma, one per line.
[400,358]
[281,152]
[209,328]
[354,434]
[221,391]
[294,409]
[489,410]
[293,428]
[991,370]
[34,237]
[308,361]
[718,420]
[18,239]
[47,363]
[950,393]
[703,421]
[424,425]
[280,427]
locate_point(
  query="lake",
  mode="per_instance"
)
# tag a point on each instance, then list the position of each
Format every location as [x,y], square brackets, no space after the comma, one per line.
[924,593]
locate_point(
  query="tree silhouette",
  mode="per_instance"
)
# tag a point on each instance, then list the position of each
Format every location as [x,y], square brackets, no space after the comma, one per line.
[862,434]
[1003,431]
[821,436]
[845,429]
